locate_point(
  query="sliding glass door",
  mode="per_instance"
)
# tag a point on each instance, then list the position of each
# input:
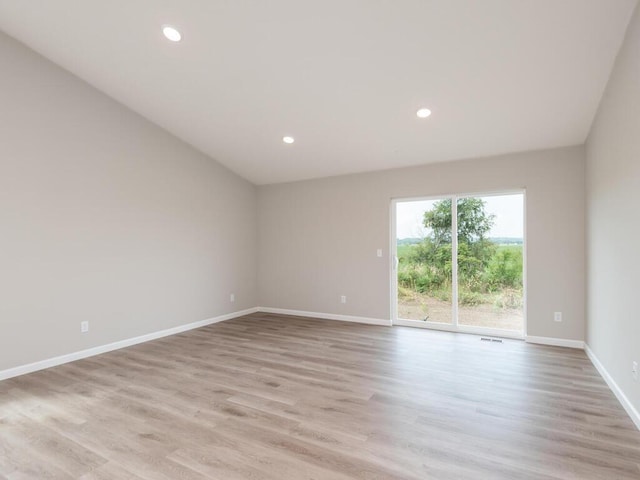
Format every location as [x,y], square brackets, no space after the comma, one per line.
[460,263]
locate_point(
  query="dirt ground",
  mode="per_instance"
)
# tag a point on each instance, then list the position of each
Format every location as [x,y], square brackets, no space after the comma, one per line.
[485,315]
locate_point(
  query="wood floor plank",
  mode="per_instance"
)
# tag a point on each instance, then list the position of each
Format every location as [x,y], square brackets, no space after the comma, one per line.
[267,397]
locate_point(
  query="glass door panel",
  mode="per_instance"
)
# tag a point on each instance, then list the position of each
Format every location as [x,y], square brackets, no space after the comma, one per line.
[424,268]
[490,261]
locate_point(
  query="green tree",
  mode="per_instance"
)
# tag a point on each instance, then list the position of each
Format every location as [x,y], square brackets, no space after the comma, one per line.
[473,221]
[474,250]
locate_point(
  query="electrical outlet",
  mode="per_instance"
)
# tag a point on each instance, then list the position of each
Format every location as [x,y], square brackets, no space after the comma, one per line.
[232,297]
[343,299]
[634,370]
[557,316]
[379,252]
[84,327]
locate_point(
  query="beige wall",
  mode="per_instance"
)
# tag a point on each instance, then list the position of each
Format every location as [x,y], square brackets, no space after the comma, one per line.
[613,229]
[105,217]
[318,238]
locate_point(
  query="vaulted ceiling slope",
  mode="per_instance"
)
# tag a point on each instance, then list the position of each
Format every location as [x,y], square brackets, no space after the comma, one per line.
[343,77]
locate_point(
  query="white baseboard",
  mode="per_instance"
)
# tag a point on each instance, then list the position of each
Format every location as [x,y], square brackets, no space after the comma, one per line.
[555,342]
[90,352]
[327,316]
[617,391]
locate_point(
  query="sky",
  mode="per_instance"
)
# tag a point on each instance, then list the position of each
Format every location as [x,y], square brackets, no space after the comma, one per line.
[508,209]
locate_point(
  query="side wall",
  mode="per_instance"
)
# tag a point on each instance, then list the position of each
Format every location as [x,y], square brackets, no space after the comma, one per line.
[318,238]
[107,218]
[613,227]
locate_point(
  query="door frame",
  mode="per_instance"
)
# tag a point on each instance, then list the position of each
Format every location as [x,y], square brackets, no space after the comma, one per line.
[454,326]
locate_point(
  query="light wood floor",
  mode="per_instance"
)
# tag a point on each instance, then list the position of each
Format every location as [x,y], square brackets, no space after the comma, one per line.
[269,397]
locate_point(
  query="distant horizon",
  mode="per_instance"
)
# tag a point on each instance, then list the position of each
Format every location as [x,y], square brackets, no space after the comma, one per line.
[503,240]
[490,237]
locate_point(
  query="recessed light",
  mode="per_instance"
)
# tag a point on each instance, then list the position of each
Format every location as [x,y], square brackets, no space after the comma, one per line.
[288,139]
[171,33]
[423,113]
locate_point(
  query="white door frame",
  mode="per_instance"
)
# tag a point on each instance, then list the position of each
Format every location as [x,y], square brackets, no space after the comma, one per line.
[454,326]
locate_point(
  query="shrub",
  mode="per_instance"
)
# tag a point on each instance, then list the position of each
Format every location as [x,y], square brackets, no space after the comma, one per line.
[466,297]
[508,298]
[505,268]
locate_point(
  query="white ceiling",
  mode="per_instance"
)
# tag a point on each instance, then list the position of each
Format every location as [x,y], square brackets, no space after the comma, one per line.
[344,77]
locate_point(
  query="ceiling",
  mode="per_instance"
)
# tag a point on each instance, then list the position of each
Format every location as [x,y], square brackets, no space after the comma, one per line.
[343,77]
